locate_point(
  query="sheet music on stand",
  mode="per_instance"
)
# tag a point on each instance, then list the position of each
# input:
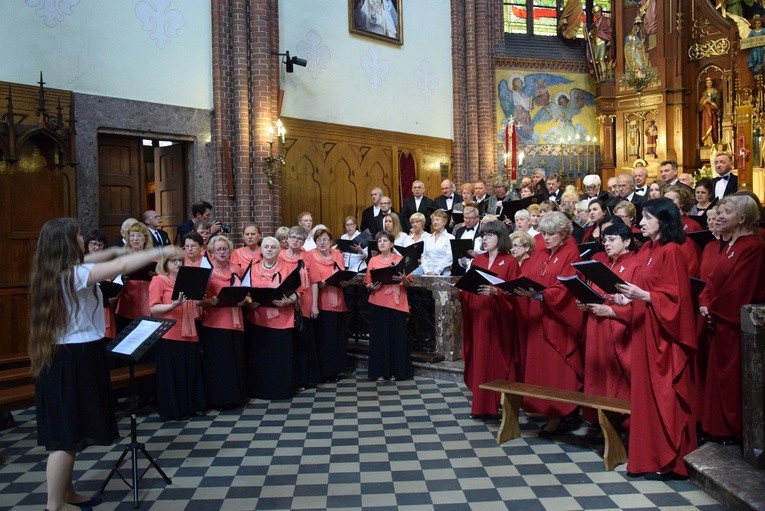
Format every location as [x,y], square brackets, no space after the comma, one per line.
[134,340]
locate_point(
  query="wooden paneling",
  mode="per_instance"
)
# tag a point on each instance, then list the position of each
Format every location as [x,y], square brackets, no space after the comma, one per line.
[120,164]
[169,190]
[29,199]
[330,169]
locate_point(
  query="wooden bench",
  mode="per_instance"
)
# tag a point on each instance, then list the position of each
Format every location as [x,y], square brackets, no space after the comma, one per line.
[23,395]
[609,411]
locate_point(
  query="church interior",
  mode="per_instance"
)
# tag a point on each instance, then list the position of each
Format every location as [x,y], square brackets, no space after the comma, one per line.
[268,108]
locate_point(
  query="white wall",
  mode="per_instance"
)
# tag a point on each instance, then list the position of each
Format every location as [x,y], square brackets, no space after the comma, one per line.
[111,48]
[359,81]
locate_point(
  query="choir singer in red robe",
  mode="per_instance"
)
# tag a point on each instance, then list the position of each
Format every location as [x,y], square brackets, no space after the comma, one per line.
[736,279]
[662,424]
[489,336]
[554,324]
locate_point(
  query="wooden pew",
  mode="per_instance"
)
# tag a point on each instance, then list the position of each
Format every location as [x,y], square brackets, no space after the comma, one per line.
[609,410]
[22,395]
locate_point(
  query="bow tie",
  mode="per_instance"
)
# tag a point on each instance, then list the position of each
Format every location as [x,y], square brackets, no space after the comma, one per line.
[451,197]
[469,229]
[725,177]
[640,190]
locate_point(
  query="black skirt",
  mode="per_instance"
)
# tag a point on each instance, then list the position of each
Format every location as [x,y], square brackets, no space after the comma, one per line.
[330,343]
[307,371]
[388,344]
[273,362]
[223,366]
[74,399]
[180,390]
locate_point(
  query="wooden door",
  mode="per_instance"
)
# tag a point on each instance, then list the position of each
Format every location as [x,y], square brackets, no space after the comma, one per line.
[169,193]
[120,171]
[27,201]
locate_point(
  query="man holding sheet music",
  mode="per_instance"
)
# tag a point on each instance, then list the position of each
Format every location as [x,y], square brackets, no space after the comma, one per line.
[468,230]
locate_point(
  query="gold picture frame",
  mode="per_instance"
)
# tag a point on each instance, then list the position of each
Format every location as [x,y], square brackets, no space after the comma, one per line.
[378,19]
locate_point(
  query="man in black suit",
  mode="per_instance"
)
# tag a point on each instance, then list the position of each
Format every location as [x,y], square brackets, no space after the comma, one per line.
[625,185]
[726,183]
[468,230]
[417,203]
[201,210]
[153,221]
[449,197]
[640,173]
[369,216]
[591,183]
[553,187]
[668,171]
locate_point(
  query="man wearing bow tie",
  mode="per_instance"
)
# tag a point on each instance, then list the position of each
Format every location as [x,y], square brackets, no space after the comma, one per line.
[449,197]
[468,230]
[640,174]
[154,222]
[553,188]
[726,183]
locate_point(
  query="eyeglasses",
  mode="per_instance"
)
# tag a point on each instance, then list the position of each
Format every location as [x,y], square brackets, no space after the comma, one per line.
[96,244]
[322,240]
[175,261]
[488,235]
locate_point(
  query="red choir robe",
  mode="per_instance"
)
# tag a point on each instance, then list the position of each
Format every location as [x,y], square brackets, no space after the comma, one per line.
[692,256]
[689,224]
[607,341]
[490,345]
[554,330]
[737,279]
[662,425]
[707,263]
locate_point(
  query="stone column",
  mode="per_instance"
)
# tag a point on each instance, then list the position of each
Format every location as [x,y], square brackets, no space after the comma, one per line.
[753,382]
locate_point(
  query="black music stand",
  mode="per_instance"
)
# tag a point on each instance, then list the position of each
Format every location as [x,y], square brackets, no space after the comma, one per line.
[131,344]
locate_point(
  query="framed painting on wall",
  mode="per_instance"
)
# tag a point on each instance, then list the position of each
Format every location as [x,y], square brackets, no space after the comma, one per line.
[379,19]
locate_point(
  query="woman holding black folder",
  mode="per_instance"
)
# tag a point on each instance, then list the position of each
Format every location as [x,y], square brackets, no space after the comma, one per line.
[180,390]
[222,332]
[272,364]
[737,279]
[67,351]
[554,324]
[662,425]
[608,327]
[490,345]
[389,356]
[322,263]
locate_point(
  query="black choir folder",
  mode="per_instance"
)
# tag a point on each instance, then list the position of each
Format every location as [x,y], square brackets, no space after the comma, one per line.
[461,247]
[109,290]
[340,276]
[232,296]
[407,265]
[192,282]
[580,290]
[702,238]
[476,277]
[414,250]
[144,273]
[265,296]
[600,275]
[511,207]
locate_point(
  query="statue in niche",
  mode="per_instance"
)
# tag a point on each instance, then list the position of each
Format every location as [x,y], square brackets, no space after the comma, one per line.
[756,54]
[651,136]
[635,56]
[633,138]
[709,106]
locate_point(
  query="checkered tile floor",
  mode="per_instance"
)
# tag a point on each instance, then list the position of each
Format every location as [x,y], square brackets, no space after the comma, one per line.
[352,445]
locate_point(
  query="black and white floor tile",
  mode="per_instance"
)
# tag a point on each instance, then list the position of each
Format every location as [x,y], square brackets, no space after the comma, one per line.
[352,445]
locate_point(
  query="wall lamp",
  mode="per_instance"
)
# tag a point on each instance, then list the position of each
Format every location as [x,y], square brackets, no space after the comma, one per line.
[291,62]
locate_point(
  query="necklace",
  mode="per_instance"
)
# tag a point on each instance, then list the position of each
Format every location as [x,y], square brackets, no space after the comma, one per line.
[266,267]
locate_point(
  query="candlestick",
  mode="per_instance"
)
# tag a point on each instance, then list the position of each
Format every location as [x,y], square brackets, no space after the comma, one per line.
[594,154]
[587,154]
[570,157]
[561,156]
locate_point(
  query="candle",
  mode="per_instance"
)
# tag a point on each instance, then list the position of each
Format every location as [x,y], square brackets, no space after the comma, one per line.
[594,153]
[587,155]
[561,156]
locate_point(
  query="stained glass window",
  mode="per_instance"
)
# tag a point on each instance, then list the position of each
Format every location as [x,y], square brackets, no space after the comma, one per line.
[540,17]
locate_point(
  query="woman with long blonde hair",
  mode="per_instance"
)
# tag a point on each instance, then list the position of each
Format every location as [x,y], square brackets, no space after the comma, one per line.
[67,349]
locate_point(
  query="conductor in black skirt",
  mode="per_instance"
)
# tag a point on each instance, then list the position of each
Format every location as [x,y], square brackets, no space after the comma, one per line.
[66,338]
